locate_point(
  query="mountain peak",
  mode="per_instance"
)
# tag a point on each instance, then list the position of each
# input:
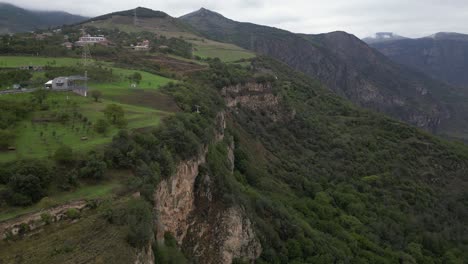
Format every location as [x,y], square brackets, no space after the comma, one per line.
[203,12]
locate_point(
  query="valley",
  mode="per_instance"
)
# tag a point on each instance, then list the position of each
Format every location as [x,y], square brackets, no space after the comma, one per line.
[138,137]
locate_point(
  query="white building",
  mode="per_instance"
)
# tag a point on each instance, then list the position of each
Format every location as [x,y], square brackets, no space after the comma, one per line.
[87,40]
[76,84]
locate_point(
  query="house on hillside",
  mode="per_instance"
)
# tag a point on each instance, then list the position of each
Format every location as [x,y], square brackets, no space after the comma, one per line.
[90,40]
[76,84]
[67,45]
[144,45]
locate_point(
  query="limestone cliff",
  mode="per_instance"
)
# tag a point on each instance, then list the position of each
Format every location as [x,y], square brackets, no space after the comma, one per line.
[205,229]
[257,97]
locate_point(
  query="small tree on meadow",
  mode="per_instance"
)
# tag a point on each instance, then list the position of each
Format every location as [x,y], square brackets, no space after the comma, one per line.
[40,95]
[96,95]
[64,155]
[136,77]
[101,126]
[115,114]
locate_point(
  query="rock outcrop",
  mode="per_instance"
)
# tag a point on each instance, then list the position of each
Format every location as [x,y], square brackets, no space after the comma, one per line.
[204,228]
[257,97]
[219,234]
[34,221]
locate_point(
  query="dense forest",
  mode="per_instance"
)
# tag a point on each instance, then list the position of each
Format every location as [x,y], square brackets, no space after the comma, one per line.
[330,183]
[338,184]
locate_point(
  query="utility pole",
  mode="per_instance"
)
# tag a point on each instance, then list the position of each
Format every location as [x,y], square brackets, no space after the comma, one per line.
[86,56]
[198,109]
[135,18]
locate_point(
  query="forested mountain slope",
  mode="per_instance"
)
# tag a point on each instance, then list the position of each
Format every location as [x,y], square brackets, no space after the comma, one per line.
[326,182]
[284,171]
[344,64]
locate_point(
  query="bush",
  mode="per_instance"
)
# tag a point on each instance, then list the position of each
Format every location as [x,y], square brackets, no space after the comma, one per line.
[101,126]
[46,218]
[94,168]
[115,114]
[26,189]
[73,213]
[140,223]
[64,155]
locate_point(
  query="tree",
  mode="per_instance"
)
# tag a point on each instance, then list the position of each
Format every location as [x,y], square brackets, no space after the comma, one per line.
[136,77]
[64,155]
[26,189]
[101,126]
[96,95]
[40,95]
[94,168]
[139,221]
[115,115]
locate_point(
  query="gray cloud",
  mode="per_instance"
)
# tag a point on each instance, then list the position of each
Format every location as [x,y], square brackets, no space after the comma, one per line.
[413,18]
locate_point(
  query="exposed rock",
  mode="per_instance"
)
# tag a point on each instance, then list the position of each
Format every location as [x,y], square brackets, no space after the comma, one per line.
[219,234]
[256,97]
[34,220]
[206,230]
[174,199]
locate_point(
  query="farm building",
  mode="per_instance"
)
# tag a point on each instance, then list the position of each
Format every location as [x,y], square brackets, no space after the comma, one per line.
[145,45]
[76,84]
[67,45]
[90,40]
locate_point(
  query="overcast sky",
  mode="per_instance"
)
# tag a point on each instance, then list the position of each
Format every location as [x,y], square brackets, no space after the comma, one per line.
[412,18]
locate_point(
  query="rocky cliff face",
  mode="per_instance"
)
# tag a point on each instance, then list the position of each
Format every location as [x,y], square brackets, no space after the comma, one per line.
[342,62]
[206,230]
[257,97]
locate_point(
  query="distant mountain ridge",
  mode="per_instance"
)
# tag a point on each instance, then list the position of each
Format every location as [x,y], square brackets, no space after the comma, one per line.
[443,56]
[342,62]
[14,19]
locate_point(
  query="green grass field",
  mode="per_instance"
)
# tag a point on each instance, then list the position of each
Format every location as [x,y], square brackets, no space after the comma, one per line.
[18,61]
[223,51]
[41,139]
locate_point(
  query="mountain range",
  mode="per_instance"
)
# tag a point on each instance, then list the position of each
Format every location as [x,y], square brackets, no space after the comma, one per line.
[241,143]
[14,19]
[346,65]
[442,56]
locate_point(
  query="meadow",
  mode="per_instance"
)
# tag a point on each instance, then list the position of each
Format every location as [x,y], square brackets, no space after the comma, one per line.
[36,138]
[225,52]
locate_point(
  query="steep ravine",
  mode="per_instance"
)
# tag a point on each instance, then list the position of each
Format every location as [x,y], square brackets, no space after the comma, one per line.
[206,230]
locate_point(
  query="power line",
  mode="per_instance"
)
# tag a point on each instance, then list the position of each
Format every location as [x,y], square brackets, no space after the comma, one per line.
[135,18]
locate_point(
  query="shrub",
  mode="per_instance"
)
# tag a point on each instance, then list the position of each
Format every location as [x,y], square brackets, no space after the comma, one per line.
[94,168]
[26,189]
[64,155]
[73,213]
[46,218]
[101,126]
[140,223]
